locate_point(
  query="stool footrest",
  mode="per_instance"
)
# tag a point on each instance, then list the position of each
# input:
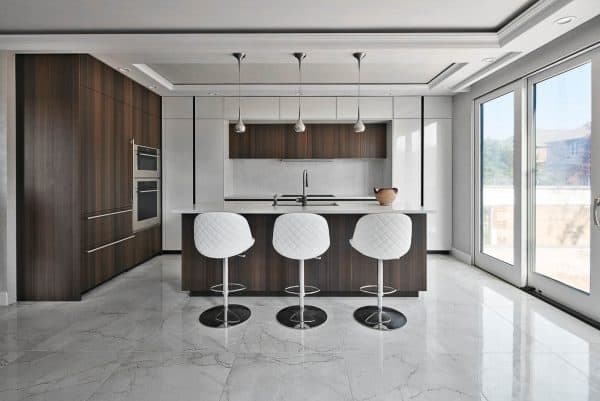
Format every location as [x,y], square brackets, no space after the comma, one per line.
[372,289]
[233,287]
[308,289]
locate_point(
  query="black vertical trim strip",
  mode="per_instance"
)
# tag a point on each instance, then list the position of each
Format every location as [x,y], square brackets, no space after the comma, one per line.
[422,150]
[194,149]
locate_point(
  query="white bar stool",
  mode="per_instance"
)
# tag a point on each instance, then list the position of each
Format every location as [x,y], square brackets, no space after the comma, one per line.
[301,236]
[221,235]
[382,236]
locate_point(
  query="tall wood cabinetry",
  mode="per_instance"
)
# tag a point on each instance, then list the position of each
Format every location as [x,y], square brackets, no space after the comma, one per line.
[76,119]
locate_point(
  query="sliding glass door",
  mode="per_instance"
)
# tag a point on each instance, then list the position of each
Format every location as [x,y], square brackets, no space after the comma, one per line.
[498,183]
[564,160]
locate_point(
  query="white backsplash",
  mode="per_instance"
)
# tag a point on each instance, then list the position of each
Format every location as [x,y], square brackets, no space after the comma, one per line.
[338,176]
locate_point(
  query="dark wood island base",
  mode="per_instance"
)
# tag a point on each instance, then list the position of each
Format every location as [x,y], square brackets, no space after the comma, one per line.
[340,271]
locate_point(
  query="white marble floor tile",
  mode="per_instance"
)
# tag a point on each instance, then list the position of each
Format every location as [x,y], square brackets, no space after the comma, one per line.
[469,337]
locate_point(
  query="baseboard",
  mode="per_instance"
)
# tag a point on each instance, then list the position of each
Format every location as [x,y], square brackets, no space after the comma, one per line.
[3,298]
[438,252]
[462,256]
[170,252]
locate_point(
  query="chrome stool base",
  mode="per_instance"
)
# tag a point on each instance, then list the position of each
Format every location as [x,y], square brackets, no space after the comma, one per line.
[391,318]
[290,317]
[215,316]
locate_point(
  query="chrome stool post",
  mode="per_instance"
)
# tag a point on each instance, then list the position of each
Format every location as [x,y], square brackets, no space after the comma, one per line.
[223,235]
[381,237]
[301,236]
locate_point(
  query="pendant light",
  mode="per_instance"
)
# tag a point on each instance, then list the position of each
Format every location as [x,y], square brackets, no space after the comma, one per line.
[359,126]
[240,128]
[299,127]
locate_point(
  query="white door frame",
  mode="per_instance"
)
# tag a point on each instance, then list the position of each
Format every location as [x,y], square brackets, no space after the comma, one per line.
[515,274]
[588,304]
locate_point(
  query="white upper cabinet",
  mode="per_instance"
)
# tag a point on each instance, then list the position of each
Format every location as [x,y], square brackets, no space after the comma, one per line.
[438,107]
[371,108]
[209,107]
[177,107]
[253,108]
[407,107]
[313,108]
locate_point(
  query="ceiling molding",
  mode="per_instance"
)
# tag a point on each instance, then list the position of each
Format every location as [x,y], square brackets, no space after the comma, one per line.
[126,43]
[529,18]
[484,72]
[445,74]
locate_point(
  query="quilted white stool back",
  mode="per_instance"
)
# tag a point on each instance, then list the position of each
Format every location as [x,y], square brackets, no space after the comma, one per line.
[301,236]
[383,236]
[222,235]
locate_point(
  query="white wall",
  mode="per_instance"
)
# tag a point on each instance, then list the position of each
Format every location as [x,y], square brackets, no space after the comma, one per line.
[8,246]
[338,177]
[462,153]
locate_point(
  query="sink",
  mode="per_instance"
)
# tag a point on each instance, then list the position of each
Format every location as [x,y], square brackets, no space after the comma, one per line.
[309,196]
[313,203]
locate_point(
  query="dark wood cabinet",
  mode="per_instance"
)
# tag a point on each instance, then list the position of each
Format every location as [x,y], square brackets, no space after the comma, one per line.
[340,271]
[319,141]
[147,243]
[76,118]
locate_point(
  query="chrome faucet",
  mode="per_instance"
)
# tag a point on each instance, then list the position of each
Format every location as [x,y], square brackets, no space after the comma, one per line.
[304,198]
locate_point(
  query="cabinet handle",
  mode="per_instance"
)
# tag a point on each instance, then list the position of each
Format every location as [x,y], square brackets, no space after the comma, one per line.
[148,155]
[110,244]
[109,214]
[596,204]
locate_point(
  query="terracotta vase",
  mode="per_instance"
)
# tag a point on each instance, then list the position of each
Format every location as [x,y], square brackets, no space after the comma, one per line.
[385,196]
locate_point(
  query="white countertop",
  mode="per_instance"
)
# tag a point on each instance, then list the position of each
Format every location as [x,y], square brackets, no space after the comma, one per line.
[237,197]
[247,207]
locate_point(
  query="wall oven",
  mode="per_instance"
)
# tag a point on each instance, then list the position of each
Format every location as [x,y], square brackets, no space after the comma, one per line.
[146,203]
[146,161]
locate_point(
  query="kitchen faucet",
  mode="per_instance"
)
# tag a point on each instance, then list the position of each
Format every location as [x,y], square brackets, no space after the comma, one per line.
[304,198]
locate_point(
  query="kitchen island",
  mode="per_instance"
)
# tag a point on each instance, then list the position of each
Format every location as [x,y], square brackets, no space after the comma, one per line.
[339,272]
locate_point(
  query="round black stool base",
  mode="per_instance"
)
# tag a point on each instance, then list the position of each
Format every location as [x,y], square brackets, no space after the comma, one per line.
[392,319]
[215,316]
[290,317]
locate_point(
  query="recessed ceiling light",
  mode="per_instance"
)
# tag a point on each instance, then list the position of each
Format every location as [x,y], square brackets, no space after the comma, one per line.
[564,20]
[212,93]
[124,69]
[488,60]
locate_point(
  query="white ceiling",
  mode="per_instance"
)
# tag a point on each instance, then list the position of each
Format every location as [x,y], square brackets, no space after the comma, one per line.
[255,15]
[184,47]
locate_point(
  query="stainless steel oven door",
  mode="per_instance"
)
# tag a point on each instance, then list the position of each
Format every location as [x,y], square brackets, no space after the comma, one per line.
[146,203]
[146,162]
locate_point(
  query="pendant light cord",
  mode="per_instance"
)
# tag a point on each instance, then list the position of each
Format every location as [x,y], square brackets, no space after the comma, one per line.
[300,90]
[358,89]
[239,60]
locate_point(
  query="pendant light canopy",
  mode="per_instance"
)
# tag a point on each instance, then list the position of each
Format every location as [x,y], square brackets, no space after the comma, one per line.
[299,127]
[359,126]
[240,128]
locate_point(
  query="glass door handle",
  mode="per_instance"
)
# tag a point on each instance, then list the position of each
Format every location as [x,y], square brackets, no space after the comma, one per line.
[596,204]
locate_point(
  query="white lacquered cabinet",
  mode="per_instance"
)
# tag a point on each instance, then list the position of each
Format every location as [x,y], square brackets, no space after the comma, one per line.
[406,160]
[209,107]
[253,108]
[313,108]
[177,177]
[210,155]
[177,107]
[437,182]
[371,108]
[407,107]
[437,107]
